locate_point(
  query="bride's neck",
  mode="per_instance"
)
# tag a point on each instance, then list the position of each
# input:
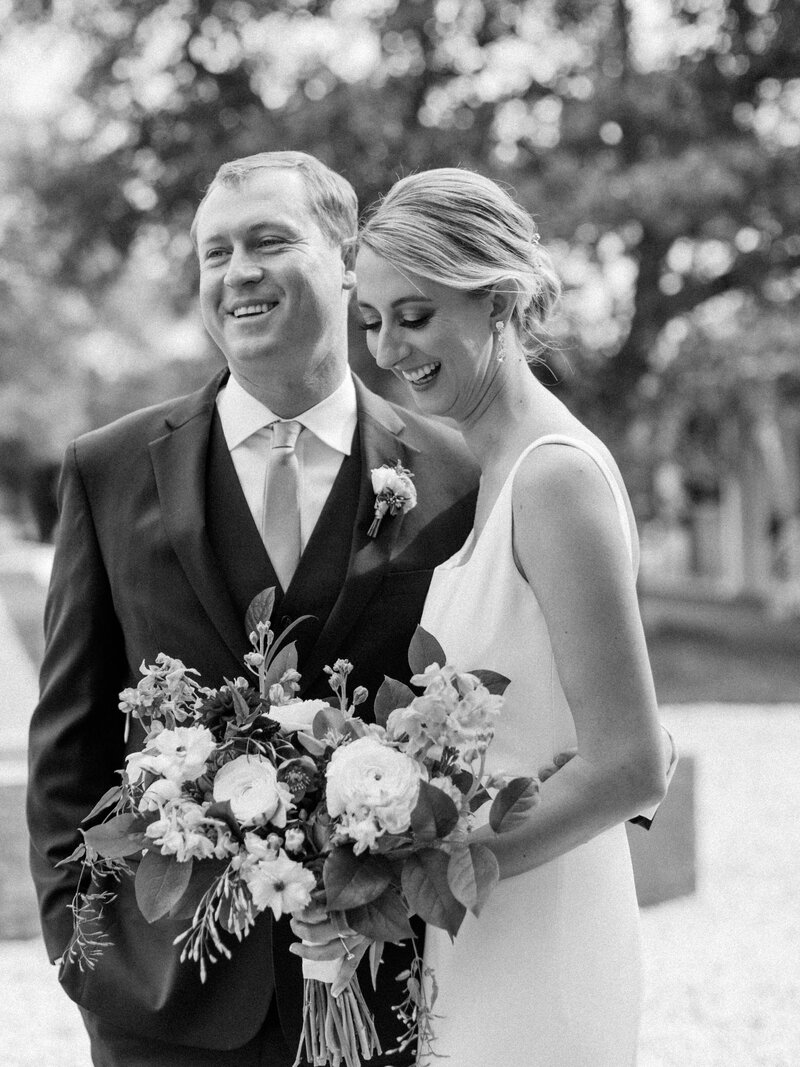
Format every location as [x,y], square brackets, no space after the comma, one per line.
[508,408]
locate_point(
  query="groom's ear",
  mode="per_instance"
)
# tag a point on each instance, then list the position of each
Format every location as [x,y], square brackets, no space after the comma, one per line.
[349,260]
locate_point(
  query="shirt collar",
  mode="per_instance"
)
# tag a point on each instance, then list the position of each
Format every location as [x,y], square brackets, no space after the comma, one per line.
[333,420]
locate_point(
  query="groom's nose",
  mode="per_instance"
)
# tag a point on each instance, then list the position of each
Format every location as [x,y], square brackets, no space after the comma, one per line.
[243,269]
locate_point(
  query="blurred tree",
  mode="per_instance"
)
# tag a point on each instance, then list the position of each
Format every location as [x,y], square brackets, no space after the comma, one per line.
[656,141]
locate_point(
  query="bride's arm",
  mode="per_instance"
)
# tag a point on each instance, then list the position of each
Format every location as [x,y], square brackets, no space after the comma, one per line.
[570,548]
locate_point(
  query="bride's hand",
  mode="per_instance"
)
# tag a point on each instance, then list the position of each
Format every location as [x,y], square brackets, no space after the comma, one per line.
[562,758]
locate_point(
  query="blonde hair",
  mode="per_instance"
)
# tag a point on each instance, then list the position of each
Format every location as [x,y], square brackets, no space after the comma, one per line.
[331,197]
[459,229]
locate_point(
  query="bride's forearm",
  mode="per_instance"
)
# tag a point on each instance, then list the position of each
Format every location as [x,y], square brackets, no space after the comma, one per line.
[576,804]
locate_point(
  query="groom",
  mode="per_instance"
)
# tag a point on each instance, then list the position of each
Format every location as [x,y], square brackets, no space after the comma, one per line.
[171,520]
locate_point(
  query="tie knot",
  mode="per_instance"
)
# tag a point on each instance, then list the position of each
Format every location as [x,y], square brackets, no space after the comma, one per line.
[285,434]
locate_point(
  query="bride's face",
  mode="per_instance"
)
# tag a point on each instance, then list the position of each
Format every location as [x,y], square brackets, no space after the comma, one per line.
[436,339]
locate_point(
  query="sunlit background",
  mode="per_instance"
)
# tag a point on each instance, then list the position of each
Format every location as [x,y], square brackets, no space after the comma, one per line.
[657,142]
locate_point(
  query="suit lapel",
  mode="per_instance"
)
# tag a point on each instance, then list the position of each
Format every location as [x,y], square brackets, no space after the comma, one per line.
[179,463]
[380,428]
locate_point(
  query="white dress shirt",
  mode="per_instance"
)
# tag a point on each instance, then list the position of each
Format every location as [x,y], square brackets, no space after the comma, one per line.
[326,439]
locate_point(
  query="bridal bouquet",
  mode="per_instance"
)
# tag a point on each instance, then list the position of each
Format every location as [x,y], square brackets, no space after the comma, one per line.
[246,798]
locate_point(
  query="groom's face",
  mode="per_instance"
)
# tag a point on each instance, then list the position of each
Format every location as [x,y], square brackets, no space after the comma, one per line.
[273,287]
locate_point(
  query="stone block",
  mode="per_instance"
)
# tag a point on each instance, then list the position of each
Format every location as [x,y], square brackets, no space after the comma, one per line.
[19,917]
[665,856]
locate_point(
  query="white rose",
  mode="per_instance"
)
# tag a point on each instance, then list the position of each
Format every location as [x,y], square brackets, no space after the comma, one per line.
[367,778]
[157,795]
[251,785]
[299,715]
[380,479]
[388,480]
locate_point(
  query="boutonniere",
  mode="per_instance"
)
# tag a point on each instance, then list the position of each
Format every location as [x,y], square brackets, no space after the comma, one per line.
[394,493]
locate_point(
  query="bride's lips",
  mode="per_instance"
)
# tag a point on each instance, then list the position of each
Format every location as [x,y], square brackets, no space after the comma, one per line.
[417,377]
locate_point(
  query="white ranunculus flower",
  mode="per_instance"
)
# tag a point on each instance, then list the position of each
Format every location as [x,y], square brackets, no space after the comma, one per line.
[251,785]
[298,715]
[367,778]
[178,754]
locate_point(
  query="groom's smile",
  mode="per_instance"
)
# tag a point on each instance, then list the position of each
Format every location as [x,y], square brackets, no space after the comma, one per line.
[273,287]
[249,311]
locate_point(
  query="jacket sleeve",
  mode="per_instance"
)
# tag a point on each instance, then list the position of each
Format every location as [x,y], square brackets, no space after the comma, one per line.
[76,734]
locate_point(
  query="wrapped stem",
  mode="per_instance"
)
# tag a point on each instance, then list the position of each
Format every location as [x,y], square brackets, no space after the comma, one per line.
[336,1030]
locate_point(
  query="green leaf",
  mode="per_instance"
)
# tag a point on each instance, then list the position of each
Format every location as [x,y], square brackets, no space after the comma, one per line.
[241,707]
[428,892]
[392,694]
[472,874]
[78,854]
[222,810]
[511,805]
[119,837]
[491,680]
[260,609]
[203,876]
[423,651]
[285,660]
[109,798]
[434,816]
[375,957]
[310,744]
[160,883]
[327,720]
[352,881]
[384,919]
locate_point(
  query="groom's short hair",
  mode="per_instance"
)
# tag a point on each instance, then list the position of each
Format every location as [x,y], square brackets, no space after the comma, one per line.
[331,197]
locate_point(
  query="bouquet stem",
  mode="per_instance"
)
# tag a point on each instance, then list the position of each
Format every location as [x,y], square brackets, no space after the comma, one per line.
[336,1030]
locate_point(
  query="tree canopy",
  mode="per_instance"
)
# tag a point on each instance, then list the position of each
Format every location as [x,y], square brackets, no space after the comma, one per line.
[657,144]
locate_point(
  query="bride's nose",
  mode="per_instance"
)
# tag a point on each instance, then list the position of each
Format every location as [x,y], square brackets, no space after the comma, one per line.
[390,349]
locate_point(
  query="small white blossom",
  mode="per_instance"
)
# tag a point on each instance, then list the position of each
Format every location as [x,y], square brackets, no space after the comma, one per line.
[277,882]
[178,754]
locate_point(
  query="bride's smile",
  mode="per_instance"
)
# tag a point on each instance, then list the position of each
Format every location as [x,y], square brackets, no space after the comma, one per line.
[436,339]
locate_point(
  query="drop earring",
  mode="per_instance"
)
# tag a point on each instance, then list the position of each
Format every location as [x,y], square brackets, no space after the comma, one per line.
[501,341]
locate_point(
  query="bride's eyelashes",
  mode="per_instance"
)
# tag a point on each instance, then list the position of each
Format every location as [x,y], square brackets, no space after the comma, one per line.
[409,324]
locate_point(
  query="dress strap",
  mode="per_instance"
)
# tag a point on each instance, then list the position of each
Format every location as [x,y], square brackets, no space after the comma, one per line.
[613,484]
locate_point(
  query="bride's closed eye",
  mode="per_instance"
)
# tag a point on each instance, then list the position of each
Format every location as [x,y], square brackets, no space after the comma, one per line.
[410,324]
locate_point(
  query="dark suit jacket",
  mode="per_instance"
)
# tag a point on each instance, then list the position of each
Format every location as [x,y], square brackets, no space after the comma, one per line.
[136,573]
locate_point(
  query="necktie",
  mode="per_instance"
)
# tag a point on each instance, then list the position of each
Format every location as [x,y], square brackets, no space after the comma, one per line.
[280,516]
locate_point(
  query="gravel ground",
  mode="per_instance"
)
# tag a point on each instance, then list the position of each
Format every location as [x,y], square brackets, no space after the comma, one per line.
[723,965]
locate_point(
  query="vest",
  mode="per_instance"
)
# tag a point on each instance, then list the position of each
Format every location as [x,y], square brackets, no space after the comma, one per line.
[243,559]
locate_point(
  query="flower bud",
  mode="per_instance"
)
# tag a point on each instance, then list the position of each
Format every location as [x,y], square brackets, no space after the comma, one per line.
[295,839]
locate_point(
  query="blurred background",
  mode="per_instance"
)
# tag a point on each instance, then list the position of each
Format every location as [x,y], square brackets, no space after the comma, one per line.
[657,142]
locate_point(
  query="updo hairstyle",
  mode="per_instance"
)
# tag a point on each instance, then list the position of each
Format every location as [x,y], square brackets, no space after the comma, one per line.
[462,230]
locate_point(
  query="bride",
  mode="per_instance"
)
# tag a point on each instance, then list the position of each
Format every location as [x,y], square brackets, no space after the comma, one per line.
[453,291]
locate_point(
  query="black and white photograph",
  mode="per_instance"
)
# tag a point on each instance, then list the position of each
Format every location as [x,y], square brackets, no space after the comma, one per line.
[399,533]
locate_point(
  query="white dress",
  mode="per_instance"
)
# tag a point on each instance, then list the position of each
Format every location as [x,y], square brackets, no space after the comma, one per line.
[550,974]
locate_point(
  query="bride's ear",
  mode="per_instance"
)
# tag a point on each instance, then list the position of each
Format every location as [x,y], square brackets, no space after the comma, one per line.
[504,299]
